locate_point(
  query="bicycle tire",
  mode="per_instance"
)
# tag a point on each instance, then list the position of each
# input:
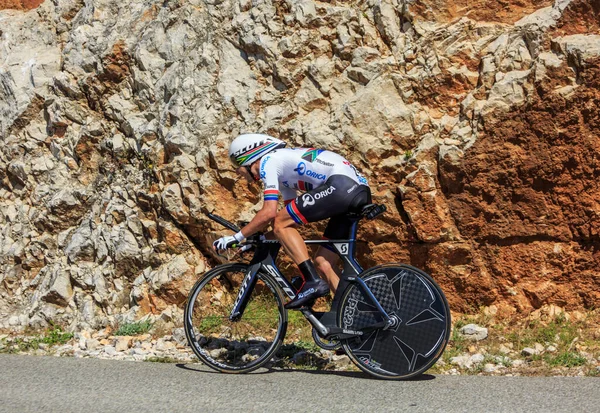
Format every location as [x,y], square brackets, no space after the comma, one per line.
[420,336]
[234,346]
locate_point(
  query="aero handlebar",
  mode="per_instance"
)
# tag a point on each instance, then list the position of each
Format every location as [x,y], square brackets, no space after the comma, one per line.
[224,222]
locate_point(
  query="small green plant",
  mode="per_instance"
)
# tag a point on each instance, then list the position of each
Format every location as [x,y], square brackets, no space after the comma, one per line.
[210,324]
[134,329]
[161,360]
[52,337]
[457,345]
[308,346]
[565,359]
[408,154]
[594,372]
[289,350]
[56,336]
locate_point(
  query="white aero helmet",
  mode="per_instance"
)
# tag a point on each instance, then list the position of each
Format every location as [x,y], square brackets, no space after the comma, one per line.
[247,148]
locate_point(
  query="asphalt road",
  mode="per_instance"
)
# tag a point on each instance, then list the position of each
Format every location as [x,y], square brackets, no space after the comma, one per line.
[52,384]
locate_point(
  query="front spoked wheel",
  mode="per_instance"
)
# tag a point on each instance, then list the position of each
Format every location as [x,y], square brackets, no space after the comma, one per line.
[422,322]
[242,345]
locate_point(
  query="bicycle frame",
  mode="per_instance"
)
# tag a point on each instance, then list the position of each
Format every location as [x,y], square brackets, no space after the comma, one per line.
[325,323]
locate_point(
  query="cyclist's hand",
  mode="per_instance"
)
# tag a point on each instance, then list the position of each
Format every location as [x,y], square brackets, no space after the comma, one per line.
[225,242]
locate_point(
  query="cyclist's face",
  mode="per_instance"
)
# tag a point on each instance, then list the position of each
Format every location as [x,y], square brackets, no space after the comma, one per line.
[245,171]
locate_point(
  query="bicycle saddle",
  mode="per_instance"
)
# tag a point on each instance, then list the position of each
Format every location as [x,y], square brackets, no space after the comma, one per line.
[371,211]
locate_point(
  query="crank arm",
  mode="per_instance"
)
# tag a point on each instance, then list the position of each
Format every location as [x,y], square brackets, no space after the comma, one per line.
[336,333]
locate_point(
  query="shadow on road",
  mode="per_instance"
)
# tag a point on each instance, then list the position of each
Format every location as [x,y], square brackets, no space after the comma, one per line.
[200,368]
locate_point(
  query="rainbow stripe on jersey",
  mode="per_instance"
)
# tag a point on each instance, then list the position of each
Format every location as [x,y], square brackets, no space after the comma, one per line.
[271,195]
[295,213]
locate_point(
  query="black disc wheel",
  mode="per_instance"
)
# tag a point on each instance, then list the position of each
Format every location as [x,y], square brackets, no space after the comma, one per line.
[421,318]
[246,342]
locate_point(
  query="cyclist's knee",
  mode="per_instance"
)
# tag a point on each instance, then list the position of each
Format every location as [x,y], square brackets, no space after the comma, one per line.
[280,223]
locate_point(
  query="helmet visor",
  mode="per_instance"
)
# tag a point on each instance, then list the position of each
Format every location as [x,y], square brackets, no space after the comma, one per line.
[234,162]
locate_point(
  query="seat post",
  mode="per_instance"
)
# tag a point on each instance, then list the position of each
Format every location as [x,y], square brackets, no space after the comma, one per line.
[354,228]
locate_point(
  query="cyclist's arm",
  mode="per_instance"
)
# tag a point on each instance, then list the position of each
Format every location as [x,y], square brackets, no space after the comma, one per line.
[261,219]
[269,173]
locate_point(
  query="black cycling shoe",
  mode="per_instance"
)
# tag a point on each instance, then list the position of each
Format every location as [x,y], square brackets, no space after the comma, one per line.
[311,290]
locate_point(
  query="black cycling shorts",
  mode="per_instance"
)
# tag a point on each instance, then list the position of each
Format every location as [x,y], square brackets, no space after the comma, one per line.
[334,199]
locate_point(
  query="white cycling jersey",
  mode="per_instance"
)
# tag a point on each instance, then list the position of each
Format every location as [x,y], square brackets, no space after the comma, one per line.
[287,170]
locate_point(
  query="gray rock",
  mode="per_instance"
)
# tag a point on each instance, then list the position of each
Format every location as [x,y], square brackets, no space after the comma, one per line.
[464,361]
[173,203]
[179,336]
[579,48]
[92,344]
[110,350]
[60,290]
[477,359]
[81,245]
[19,171]
[529,352]
[489,368]
[474,332]
[545,17]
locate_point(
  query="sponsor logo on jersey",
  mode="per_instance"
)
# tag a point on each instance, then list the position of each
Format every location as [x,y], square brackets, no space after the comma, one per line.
[353,188]
[308,199]
[311,154]
[361,179]
[301,169]
[286,184]
[264,161]
[263,174]
[323,162]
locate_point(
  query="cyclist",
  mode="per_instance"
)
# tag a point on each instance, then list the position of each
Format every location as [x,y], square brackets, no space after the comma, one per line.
[330,188]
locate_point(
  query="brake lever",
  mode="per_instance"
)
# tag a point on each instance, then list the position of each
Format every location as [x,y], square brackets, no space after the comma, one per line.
[244,249]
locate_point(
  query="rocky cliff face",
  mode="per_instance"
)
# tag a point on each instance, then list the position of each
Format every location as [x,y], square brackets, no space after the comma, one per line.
[476,124]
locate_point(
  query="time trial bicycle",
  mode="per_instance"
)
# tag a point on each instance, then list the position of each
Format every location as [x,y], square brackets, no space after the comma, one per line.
[392,320]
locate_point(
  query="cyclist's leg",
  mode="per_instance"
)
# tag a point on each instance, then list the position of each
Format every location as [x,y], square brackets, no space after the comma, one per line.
[315,205]
[313,286]
[333,198]
[326,261]
[285,229]
[338,227]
